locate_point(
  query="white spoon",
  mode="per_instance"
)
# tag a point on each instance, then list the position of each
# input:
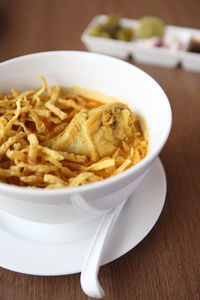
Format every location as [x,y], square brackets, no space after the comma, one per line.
[89,276]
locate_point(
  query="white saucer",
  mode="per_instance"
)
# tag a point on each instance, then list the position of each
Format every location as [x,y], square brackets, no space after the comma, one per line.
[44,249]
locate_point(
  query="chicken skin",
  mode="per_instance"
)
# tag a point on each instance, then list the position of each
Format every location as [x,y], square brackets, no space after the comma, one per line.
[96,133]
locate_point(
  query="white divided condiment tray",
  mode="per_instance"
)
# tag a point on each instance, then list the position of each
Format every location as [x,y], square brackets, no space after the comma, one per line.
[140,51]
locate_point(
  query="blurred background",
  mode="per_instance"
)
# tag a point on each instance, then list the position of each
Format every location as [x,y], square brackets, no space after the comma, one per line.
[28,26]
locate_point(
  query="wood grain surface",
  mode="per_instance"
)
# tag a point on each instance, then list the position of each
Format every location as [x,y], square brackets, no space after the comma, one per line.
[166,264]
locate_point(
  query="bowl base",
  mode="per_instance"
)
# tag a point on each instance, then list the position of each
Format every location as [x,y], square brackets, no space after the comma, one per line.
[58,249]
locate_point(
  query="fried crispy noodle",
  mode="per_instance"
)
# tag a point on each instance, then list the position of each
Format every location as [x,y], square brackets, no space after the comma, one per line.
[40,125]
[13,139]
[33,148]
[17,112]
[123,166]
[16,155]
[51,153]
[102,164]
[83,178]
[54,181]
[57,111]
[58,137]
[2,127]
[70,103]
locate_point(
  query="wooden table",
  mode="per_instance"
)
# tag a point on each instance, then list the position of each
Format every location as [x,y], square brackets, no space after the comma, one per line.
[166,264]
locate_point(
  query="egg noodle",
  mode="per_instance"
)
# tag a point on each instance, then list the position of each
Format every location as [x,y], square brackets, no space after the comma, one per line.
[31,118]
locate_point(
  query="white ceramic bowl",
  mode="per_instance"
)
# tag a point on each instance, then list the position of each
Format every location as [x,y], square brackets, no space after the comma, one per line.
[98,72]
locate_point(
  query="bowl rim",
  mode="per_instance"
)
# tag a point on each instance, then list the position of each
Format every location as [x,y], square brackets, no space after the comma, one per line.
[113,179]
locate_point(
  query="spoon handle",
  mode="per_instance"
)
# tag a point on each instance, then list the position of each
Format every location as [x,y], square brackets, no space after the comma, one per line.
[89,276]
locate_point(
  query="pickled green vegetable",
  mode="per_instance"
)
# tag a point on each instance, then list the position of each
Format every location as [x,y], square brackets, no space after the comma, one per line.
[112,29]
[124,34]
[150,26]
